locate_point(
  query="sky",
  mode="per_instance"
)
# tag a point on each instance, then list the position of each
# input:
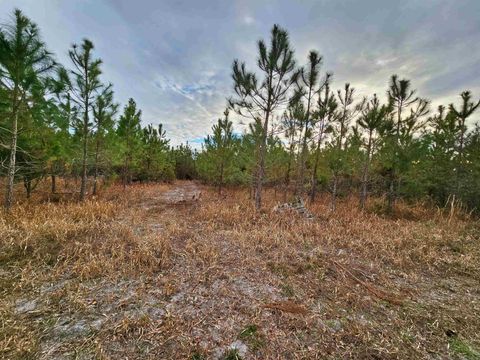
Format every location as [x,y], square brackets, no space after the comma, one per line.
[175,57]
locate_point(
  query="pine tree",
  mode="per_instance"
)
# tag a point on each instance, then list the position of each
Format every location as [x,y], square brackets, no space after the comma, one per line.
[307,89]
[24,61]
[129,131]
[372,119]
[290,127]
[184,158]
[466,109]
[337,160]
[261,98]
[104,110]
[402,98]
[83,82]
[220,146]
[157,164]
[325,116]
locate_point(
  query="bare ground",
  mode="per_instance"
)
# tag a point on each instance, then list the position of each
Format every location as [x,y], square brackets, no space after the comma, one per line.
[231,284]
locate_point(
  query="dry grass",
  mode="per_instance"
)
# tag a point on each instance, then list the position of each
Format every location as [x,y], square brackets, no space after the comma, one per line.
[140,275]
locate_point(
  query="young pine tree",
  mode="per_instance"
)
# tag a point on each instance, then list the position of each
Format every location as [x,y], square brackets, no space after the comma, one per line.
[306,91]
[24,61]
[403,100]
[220,147]
[337,153]
[372,119]
[83,83]
[325,115]
[260,98]
[461,114]
[156,164]
[129,132]
[104,110]
[290,128]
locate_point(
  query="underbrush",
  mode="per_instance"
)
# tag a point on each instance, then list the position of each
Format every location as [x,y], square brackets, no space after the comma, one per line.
[415,237]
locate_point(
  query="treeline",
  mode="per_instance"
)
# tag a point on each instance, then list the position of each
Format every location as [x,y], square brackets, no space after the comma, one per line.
[336,142]
[62,120]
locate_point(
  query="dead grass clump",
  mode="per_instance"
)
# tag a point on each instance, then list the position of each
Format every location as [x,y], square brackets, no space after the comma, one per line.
[77,239]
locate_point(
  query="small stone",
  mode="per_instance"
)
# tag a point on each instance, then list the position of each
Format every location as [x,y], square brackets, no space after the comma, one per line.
[240,347]
[156,313]
[97,324]
[79,328]
[25,306]
[335,325]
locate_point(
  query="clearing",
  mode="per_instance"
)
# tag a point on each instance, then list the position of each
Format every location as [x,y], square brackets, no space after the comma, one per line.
[179,272]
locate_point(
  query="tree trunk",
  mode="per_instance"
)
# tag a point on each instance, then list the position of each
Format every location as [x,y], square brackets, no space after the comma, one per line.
[363,192]
[393,173]
[315,166]
[391,193]
[27,183]
[287,174]
[96,169]
[126,171]
[460,169]
[259,176]
[83,186]
[54,183]
[11,165]
[333,205]
[95,176]
[261,162]
[220,184]
[301,165]
[313,190]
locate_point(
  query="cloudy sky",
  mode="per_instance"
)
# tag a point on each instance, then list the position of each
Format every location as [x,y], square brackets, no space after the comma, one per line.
[174,57]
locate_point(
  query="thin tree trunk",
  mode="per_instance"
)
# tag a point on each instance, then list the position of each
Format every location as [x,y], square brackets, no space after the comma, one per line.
[301,165]
[363,193]
[95,177]
[125,172]
[334,193]
[313,190]
[391,193]
[459,173]
[54,183]
[259,176]
[287,174]
[27,183]
[261,164]
[221,180]
[83,185]
[301,176]
[11,165]
[391,196]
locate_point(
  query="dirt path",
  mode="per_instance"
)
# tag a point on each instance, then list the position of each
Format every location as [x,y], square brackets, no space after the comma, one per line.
[185,192]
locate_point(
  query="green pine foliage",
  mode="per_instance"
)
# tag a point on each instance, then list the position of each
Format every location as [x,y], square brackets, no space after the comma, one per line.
[302,137]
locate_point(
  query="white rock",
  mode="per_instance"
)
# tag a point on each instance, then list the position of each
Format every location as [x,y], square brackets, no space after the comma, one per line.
[240,347]
[25,306]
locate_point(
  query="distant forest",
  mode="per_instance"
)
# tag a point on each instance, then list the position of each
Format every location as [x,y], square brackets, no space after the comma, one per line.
[304,136]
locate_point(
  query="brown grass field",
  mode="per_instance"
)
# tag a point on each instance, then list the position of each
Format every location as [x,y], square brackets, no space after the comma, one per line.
[151,273]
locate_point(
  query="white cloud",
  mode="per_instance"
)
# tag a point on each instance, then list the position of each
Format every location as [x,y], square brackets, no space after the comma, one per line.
[174,58]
